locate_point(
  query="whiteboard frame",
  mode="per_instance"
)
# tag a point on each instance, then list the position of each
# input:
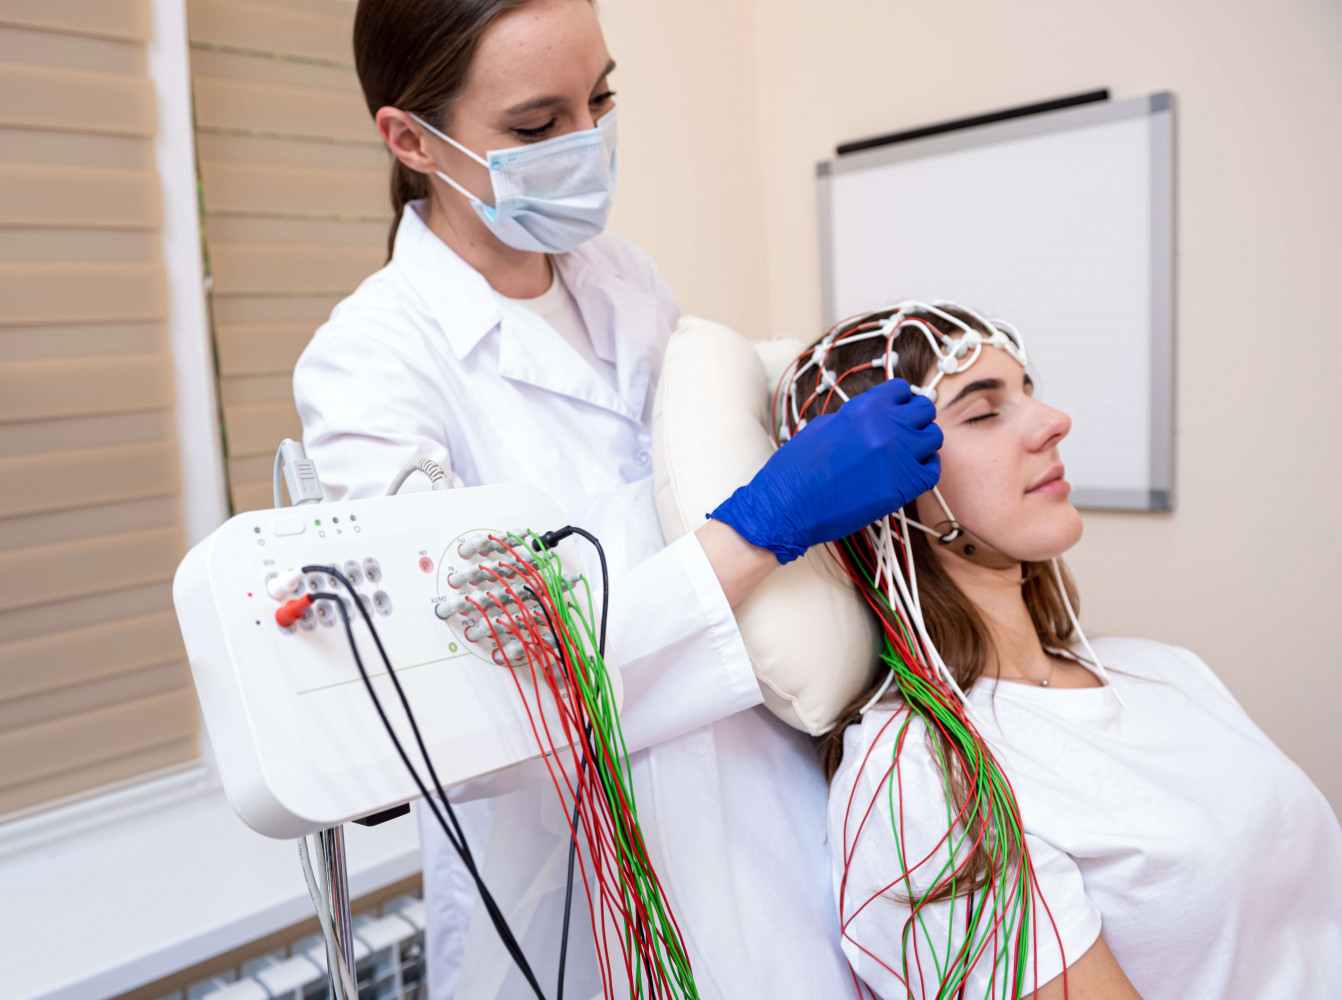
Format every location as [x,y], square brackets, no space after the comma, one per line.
[1158,109]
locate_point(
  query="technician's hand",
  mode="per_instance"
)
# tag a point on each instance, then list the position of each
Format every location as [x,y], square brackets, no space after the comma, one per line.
[843,471]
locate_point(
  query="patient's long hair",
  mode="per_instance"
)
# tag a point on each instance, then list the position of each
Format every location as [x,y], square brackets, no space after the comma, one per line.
[955,625]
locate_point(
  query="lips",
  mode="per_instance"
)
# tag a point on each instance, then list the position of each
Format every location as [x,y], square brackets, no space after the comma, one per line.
[1051,482]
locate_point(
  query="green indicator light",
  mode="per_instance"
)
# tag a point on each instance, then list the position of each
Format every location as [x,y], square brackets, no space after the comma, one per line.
[318,522]
[257,529]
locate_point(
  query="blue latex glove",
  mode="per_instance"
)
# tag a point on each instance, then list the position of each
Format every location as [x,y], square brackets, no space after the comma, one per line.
[840,473]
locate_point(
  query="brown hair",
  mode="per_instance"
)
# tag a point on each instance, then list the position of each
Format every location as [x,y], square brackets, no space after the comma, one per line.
[954,624]
[416,55]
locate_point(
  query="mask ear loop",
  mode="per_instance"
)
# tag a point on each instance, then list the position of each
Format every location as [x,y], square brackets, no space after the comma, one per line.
[449,140]
[453,142]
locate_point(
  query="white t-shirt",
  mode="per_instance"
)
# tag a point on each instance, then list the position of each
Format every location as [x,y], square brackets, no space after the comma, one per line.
[557,307]
[1211,863]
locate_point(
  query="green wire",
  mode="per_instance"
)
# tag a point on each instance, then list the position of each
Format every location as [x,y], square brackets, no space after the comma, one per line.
[1006,900]
[672,964]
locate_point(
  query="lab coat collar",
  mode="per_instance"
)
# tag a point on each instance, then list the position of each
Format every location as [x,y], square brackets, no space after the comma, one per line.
[621,319]
[467,308]
[460,299]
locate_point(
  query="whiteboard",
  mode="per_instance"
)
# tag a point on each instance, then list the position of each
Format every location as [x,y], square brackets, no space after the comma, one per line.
[1061,223]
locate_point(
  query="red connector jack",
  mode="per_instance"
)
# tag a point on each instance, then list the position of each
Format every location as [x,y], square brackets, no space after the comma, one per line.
[290,611]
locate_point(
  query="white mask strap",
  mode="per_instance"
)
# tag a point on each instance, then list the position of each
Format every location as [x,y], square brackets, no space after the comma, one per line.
[448,139]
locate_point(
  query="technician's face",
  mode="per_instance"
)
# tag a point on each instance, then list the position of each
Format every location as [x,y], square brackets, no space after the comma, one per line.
[1000,471]
[540,71]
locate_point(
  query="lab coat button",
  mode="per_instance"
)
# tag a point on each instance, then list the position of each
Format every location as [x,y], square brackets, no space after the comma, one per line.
[288,525]
[644,458]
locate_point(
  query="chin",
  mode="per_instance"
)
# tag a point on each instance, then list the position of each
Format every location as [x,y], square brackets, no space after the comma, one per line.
[1047,537]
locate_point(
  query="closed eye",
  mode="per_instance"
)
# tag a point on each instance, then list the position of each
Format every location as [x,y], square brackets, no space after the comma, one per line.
[536,133]
[986,416]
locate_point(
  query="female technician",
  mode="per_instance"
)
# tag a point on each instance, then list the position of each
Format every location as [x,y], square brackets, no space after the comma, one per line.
[511,340]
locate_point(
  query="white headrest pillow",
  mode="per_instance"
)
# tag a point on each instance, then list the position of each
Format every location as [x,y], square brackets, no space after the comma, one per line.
[810,636]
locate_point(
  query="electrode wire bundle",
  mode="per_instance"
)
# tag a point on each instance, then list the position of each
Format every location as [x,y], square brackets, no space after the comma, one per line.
[627,892]
[1001,899]
[550,539]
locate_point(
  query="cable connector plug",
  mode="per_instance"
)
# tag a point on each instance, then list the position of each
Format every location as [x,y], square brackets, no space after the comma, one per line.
[290,611]
[552,538]
[284,584]
[300,474]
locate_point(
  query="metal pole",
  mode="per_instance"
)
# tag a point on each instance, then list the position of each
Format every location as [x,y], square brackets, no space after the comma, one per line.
[336,875]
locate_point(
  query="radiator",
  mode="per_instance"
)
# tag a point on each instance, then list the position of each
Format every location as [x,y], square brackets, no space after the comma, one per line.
[389,958]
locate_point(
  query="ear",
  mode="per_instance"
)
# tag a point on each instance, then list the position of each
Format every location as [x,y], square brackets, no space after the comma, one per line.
[406,139]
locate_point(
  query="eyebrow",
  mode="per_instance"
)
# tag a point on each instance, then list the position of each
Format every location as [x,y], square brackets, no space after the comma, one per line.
[982,385]
[537,103]
[986,385]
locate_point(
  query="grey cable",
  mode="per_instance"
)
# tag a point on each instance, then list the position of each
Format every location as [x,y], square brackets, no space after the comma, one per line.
[427,466]
[341,980]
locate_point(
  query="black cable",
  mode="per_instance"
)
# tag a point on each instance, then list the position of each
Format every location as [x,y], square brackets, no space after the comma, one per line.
[405,703]
[460,845]
[463,851]
[576,818]
[550,539]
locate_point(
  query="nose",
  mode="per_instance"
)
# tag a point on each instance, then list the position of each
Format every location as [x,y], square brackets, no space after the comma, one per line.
[1049,428]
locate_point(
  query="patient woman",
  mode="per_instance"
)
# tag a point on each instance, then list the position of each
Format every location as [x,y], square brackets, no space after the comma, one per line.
[1170,851]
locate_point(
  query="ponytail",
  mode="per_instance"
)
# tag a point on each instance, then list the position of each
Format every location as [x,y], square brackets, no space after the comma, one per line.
[406,186]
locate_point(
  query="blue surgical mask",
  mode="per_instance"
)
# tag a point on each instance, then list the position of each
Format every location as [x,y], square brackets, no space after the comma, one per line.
[548,196]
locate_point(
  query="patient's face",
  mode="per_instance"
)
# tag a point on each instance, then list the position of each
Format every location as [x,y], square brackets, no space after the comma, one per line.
[1000,470]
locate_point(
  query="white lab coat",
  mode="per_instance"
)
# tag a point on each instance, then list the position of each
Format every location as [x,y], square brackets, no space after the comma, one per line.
[425,359]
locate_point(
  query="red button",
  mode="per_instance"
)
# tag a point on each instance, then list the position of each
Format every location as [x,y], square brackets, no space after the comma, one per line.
[426,564]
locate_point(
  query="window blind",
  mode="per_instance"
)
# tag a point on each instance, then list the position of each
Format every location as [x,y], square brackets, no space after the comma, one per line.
[294,188]
[93,683]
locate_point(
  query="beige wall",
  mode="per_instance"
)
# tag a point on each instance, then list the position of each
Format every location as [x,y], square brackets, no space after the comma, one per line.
[689,166]
[728,106]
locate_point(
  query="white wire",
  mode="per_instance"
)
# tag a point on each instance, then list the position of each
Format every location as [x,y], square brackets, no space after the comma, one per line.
[904,602]
[914,614]
[876,537]
[885,686]
[908,555]
[344,989]
[279,468]
[1099,667]
[949,351]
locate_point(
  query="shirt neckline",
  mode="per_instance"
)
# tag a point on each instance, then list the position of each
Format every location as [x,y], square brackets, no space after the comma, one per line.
[1063,701]
[549,297]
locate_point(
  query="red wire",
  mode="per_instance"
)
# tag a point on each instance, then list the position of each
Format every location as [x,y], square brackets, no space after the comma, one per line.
[598,846]
[641,928]
[861,553]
